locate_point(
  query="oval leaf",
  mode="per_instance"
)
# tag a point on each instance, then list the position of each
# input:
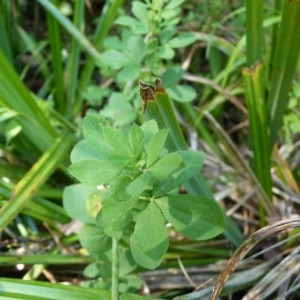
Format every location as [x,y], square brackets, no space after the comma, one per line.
[92,127]
[119,110]
[182,93]
[115,216]
[129,72]
[74,200]
[95,172]
[117,142]
[155,146]
[149,241]
[183,40]
[83,151]
[94,240]
[196,217]
[136,141]
[164,167]
[115,59]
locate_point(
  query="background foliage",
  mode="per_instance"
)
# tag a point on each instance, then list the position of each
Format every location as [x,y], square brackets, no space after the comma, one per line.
[231,69]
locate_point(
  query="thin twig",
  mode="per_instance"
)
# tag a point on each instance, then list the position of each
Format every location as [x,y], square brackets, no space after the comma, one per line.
[186,275]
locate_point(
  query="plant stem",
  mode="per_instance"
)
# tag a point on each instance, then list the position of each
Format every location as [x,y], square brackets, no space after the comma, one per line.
[115,270]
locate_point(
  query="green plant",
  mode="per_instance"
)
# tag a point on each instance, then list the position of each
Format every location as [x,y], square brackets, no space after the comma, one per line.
[129,190]
[58,67]
[144,45]
[266,111]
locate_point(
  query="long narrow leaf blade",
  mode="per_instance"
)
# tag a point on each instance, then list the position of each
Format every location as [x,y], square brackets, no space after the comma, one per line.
[22,289]
[66,23]
[259,137]
[34,178]
[284,64]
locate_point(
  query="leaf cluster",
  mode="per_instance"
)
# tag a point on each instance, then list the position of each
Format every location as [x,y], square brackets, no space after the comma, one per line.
[129,190]
[144,44]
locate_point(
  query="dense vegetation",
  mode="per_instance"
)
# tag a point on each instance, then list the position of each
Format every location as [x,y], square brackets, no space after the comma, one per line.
[144,143]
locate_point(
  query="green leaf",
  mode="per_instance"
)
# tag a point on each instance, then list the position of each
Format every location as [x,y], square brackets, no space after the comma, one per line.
[149,129]
[196,217]
[140,11]
[259,131]
[172,76]
[174,3]
[155,146]
[136,46]
[94,94]
[170,13]
[193,163]
[162,187]
[113,42]
[127,263]
[92,127]
[166,34]
[284,65]
[94,240]
[7,114]
[119,109]
[126,188]
[32,181]
[74,200]
[130,282]
[92,270]
[136,26]
[83,151]
[182,93]
[183,40]
[120,187]
[94,202]
[109,141]
[12,129]
[139,185]
[151,46]
[171,22]
[136,141]
[127,21]
[15,96]
[115,216]
[166,52]
[167,165]
[129,73]
[117,142]
[128,296]
[29,289]
[149,241]
[192,158]
[95,172]
[114,59]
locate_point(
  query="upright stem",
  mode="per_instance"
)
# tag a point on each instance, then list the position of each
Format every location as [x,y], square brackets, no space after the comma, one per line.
[115,270]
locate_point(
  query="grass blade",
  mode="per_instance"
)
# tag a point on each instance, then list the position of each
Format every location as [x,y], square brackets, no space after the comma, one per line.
[34,178]
[284,64]
[66,23]
[23,289]
[107,17]
[15,96]
[56,59]
[259,138]
[7,32]
[254,34]
[74,60]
